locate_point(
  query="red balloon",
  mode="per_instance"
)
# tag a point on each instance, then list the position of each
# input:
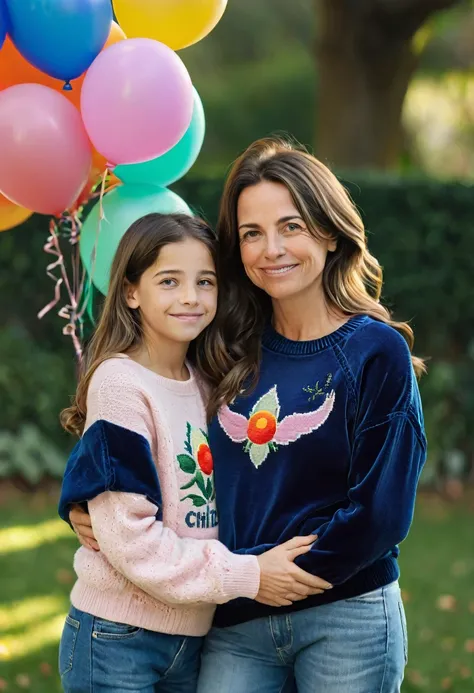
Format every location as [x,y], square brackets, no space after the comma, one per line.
[45,152]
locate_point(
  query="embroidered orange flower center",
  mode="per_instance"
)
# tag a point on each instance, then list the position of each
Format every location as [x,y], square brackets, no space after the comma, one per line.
[262,427]
[204,457]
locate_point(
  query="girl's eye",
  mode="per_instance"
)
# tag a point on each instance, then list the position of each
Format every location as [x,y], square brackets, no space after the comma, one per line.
[168,282]
[206,282]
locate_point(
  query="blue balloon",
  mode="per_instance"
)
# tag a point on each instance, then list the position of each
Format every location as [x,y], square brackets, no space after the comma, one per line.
[4,22]
[173,165]
[60,37]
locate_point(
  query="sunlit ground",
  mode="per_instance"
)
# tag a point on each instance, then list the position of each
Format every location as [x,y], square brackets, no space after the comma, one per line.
[438,583]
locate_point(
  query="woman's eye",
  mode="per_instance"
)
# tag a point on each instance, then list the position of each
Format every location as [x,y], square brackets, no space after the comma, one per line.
[250,235]
[293,227]
[168,282]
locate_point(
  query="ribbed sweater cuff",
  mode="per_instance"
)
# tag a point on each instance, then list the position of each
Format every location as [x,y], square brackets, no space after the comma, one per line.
[243,579]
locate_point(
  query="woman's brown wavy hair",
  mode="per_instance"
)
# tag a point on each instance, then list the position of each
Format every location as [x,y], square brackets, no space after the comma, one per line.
[352,277]
[119,328]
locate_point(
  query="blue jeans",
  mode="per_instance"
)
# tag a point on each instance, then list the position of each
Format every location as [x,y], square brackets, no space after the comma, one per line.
[357,645]
[96,655]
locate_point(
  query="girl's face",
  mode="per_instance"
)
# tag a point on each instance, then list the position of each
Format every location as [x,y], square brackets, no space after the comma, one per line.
[278,252]
[177,295]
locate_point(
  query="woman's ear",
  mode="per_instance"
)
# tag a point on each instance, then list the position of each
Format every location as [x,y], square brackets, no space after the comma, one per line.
[131,295]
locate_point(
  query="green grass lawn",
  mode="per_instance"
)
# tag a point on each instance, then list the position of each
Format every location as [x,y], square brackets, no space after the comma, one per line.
[437,580]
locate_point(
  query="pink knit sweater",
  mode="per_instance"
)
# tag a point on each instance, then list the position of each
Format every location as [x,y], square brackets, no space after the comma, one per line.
[160,568]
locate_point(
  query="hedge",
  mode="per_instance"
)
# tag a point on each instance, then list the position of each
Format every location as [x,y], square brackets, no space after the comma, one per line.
[421,231]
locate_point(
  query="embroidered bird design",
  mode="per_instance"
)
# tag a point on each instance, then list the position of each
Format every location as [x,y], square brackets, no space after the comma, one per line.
[262,431]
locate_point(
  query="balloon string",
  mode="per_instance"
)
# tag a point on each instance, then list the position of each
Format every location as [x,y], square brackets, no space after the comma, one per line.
[68,312]
[99,223]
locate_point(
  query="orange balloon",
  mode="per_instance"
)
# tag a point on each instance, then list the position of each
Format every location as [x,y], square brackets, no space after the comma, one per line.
[15,69]
[11,215]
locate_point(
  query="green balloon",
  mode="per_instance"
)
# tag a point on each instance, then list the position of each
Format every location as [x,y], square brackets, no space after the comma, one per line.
[173,165]
[122,206]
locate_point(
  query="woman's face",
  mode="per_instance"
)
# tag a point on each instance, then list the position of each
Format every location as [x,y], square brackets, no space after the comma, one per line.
[278,252]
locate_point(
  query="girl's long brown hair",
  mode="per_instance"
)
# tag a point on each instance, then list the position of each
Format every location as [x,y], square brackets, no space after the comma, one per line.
[119,328]
[352,277]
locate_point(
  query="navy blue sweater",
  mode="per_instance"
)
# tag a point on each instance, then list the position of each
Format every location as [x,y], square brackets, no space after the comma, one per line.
[331,442]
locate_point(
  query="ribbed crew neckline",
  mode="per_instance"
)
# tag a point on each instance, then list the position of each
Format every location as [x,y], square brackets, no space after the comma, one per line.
[180,387]
[275,341]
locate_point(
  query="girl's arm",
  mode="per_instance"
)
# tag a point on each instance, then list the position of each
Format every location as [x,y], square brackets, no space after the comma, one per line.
[112,469]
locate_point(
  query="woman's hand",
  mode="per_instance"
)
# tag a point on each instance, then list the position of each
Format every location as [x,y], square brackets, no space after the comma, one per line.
[281,581]
[82,525]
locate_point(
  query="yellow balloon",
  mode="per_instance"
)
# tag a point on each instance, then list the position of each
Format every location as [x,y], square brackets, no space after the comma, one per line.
[177,23]
[11,215]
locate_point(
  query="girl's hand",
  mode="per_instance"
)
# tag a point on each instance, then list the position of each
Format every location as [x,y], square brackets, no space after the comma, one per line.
[81,524]
[281,581]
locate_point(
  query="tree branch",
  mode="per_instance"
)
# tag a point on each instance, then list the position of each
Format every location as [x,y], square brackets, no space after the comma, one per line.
[413,6]
[395,18]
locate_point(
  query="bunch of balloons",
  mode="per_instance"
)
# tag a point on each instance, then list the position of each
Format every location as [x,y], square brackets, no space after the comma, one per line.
[78,97]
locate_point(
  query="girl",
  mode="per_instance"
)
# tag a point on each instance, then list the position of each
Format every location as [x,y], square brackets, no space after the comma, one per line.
[317,428]
[143,465]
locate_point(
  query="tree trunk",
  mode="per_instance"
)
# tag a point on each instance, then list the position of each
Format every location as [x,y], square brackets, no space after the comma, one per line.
[365,64]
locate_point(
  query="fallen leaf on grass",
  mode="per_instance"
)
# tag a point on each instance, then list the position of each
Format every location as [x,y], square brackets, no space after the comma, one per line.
[425,635]
[448,644]
[23,681]
[46,668]
[64,577]
[459,568]
[446,602]
[465,672]
[3,685]
[416,678]
[446,683]
[469,646]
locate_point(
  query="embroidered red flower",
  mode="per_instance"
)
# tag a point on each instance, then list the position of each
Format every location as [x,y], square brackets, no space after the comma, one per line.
[262,427]
[204,458]
[263,431]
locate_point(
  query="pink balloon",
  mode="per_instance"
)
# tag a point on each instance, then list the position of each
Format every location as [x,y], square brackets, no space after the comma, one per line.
[45,155]
[136,101]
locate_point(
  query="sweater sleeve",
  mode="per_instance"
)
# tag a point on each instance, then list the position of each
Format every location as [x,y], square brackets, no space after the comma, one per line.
[388,453]
[112,468]
[168,567]
[386,464]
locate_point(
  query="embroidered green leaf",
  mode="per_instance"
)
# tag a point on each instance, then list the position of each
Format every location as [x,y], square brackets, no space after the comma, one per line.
[269,402]
[313,391]
[209,489]
[213,494]
[197,438]
[258,454]
[200,483]
[187,464]
[187,444]
[198,502]
[188,485]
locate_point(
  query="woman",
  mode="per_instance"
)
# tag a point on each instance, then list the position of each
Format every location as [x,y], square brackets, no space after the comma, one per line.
[317,428]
